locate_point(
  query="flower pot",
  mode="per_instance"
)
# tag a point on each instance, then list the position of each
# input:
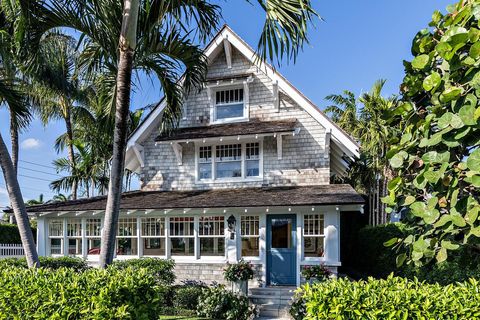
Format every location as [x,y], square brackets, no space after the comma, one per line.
[240,287]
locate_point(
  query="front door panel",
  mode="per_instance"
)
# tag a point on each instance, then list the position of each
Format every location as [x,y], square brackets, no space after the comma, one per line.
[281,249]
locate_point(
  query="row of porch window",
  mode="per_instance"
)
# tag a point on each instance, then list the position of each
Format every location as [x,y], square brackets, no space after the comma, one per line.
[211,236]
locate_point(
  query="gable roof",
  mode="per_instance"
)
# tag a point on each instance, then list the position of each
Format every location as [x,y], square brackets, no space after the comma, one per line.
[339,138]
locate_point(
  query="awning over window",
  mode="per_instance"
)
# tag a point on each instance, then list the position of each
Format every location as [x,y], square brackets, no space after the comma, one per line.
[253,127]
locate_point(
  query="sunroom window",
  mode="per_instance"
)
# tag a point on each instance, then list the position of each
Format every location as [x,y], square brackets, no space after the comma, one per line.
[229,104]
[127,236]
[93,233]
[249,229]
[212,236]
[153,236]
[74,236]
[313,235]
[55,235]
[182,237]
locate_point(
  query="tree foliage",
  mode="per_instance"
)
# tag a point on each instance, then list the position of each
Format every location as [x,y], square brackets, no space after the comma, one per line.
[437,159]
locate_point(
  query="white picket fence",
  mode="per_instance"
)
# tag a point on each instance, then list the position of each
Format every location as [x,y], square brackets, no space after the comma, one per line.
[11,250]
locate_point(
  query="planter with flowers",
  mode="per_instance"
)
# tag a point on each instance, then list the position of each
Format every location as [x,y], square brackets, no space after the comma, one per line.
[238,274]
[316,273]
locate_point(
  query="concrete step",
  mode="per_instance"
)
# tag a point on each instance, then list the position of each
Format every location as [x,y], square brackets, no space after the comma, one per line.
[258,300]
[273,311]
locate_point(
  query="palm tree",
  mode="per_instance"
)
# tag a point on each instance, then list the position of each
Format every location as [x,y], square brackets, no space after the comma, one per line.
[155,36]
[34,202]
[344,111]
[13,96]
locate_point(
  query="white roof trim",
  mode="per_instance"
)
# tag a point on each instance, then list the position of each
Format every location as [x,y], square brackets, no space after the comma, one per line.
[338,136]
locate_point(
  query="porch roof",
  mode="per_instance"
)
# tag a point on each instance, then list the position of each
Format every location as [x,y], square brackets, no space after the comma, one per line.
[231,129]
[333,194]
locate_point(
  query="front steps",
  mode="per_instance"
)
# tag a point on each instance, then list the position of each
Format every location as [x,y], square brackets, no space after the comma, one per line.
[272,302]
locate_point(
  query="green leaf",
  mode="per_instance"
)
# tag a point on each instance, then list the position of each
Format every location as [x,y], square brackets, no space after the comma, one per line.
[435,157]
[472,215]
[458,220]
[431,216]
[421,61]
[406,138]
[396,161]
[432,81]
[442,255]
[467,113]
[450,94]
[418,209]
[390,242]
[450,119]
[400,260]
[409,200]
[444,219]
[476,181]
[475,231]
[475,82]
[473,161]
[432,176]
[449,245]
[392,184]
[475,50]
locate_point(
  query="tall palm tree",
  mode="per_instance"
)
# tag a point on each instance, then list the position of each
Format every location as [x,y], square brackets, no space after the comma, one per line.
[155,36]
[13,96]
[344,111]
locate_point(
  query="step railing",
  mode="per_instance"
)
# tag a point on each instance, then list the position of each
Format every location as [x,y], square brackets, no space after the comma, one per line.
[11,250]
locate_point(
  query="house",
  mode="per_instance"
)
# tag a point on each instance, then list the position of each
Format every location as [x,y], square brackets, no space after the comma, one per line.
[246,175]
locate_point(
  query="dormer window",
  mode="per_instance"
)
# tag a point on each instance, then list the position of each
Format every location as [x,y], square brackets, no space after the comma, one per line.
[229,105]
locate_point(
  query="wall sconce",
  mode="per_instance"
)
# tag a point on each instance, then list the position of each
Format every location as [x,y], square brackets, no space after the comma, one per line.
[231,221]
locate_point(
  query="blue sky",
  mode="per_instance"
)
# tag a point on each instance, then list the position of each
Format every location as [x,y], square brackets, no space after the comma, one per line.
[358,42]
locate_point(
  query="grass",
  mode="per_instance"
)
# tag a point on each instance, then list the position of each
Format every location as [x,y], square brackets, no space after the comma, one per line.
[180,318]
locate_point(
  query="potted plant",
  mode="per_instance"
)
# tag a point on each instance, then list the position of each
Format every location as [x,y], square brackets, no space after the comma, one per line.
[316,273]
[238,274]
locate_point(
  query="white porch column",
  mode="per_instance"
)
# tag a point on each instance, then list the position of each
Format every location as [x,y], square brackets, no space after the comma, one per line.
[139,238]
[84,238]
[65,239]
[299,244]
[262,241]
[332,237]
[167,238]
[196,242]
[231,243]
[41,239]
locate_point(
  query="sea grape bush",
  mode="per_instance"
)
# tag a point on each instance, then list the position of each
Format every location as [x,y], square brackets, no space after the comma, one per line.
[161,269]
[240,271]
[437,159]
[391,298]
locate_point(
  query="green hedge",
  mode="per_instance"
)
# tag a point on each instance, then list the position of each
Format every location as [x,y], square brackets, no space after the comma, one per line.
[391,298]
[219,303]
[93,294]
[76,264]
[9,234]
[161,269]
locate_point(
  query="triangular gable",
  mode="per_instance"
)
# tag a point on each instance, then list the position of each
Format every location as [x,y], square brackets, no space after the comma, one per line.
[222,41]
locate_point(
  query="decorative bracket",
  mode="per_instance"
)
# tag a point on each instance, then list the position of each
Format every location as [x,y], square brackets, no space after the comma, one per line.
[276,99]
[178,149]
[228,52]
[139,152]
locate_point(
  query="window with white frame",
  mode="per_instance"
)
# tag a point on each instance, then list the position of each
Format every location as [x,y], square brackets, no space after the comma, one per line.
[55,235]
[182,237]
[229,104]
[153,236]
[74,236]
[93,233]
[250,233]
[127,237]
[231,161]
[211,233]
[313,235]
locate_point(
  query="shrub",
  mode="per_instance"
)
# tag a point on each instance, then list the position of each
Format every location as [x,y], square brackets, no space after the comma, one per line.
[317,272]
[186,297]
[76,264]
[241,271]
[66,294]
[391,298]
[372,257]
[9,234]
[218,303]
[161,269]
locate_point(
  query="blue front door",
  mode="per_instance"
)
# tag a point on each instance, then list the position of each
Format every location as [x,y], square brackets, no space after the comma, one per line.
[281,249]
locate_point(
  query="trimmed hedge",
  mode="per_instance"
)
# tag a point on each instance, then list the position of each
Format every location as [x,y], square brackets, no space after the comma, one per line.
[161,269]
[219,303]
[391,298]
[93,294]
[9,234]
[76,264]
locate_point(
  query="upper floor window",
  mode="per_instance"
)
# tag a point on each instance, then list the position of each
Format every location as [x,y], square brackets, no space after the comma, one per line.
[229,161]
[229,105]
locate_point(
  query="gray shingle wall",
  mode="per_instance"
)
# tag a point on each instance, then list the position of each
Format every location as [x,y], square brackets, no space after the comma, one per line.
[303,163]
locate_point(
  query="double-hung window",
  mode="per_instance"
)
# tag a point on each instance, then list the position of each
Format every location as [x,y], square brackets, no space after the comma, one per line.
[127,236]
[313,235]
[182,236]
[55,235]
[153,236]
[212,236]
[229,161]
[93,233]
[249,229]
[229,105]
[74,236]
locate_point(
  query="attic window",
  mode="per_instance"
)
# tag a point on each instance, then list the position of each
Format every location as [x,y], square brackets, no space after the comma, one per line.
[229,104]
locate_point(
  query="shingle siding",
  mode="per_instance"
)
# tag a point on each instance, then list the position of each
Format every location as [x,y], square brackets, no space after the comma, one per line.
[304,160]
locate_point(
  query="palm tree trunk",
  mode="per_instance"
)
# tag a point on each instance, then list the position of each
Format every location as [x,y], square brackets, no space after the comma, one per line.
[122,104]
[18,206]
[71,154]
[14,141]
